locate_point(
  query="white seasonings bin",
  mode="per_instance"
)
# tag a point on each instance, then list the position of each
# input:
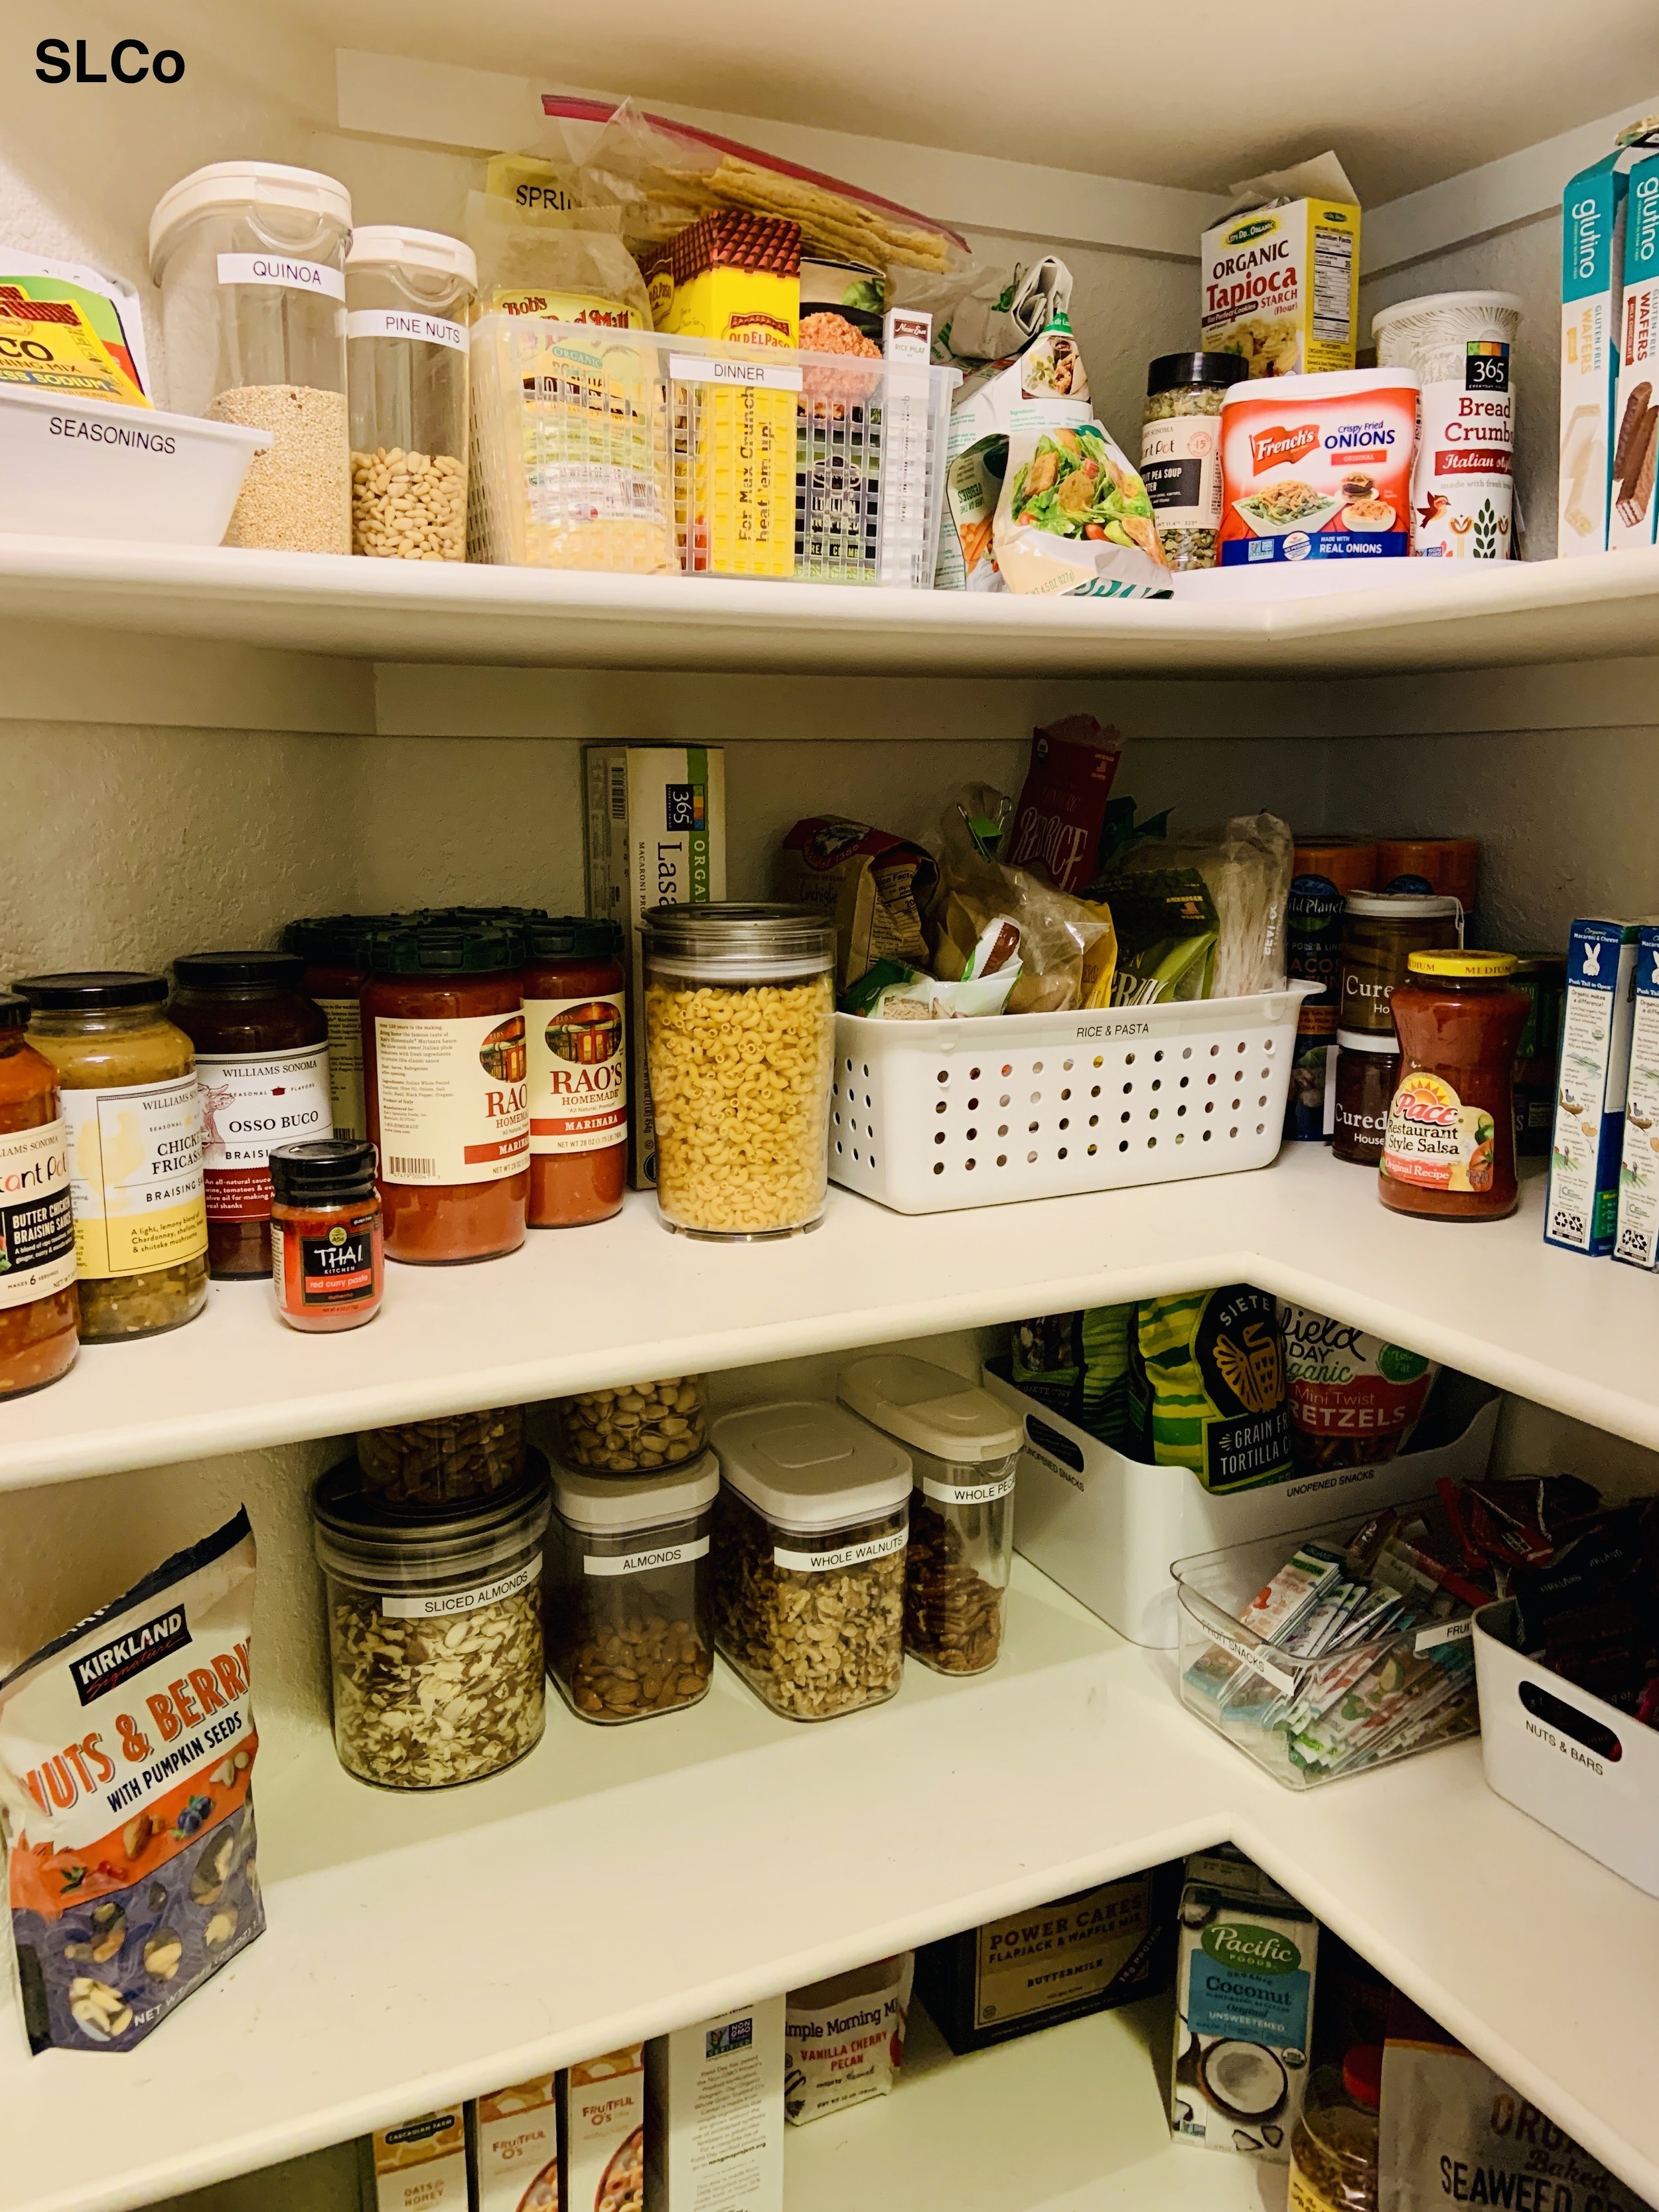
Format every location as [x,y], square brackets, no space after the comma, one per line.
[73,467]
[928,1116]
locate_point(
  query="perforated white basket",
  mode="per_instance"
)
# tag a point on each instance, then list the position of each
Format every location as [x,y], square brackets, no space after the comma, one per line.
[926,1116]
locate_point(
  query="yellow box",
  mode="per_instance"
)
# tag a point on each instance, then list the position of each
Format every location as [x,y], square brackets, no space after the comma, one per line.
[736,277]
[50,345]
[1282,286]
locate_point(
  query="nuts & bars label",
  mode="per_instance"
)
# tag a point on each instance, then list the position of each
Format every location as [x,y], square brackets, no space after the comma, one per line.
[135,1162]
[37,1222]
[578,1073]
[250,1105]
[454,1099]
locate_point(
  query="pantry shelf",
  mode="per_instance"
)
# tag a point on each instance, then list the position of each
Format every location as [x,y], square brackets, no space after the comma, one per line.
[1569,1333]
[1426,617]
[619,1883]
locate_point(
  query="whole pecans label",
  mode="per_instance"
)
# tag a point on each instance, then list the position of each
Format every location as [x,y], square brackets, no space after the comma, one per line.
[440,1606]
[846,1555]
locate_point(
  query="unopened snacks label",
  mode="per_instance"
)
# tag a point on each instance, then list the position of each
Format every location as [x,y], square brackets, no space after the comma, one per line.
[440,1607]
[135,1163]
[967,1493]
[37,1223]
[278,269]
[847,1555]
[640,1563]
[401,322]
[452,1099]
[250,1105]
[578,1073]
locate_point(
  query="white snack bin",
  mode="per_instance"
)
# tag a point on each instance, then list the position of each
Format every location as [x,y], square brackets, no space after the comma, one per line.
[1106,1527]
[94,468]
[964,1453]
[929,1116]
[1571,1761]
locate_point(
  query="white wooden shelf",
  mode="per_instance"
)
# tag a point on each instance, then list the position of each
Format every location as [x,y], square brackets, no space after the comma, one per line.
[1572,1334]
[622,1881]
[1419,615]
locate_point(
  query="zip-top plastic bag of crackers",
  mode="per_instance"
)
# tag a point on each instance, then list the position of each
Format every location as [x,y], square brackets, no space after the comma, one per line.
[126,1752]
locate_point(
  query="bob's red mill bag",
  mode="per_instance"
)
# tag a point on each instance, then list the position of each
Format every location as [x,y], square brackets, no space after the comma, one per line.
[126,1750]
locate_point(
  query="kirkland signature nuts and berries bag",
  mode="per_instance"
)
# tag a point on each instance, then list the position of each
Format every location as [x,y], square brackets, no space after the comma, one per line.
[126,1753]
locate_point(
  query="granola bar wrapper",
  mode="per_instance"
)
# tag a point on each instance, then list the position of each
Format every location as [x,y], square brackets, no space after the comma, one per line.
[126,1753]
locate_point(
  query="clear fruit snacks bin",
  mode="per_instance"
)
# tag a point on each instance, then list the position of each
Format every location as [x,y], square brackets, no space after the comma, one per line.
[645,454]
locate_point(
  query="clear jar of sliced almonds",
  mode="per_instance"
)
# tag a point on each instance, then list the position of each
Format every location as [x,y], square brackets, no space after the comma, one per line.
[636,1428]
[739,1024]
[434,1627]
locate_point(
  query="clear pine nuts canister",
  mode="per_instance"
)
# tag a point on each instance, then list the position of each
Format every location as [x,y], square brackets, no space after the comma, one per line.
[739,1031]
[409,302]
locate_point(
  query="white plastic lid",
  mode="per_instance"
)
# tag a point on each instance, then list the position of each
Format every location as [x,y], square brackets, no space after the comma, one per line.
[807,1464]
[612,1504]
[390,246]
[1499,307]
[1407,906]
[1322,384]
[929,1408]
[223,187]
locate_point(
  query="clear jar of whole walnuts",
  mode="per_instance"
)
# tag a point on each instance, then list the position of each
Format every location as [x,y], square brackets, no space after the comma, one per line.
[636,1428]
[629,1626]
[739,1033]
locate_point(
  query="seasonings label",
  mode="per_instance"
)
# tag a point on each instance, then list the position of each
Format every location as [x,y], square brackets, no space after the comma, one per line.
[37,1223]
[283,271]
[845,1555]
[454,1099]
[135,1156]
[345,1066]
[1435,1141]
[440,1606]
[578,1073]
[1180,468]
[250,1105]
[640,1563]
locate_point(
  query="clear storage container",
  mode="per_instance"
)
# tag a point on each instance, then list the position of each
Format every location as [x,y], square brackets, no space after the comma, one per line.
[739,1033]
[636,1428]
[965,1450]
[451,1461]
[250,259]
[809,1557]
[434,1630]
[408,301]
[630,1625]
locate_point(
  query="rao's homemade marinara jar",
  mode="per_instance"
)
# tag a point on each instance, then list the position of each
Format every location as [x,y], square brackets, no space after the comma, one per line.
[1317,468]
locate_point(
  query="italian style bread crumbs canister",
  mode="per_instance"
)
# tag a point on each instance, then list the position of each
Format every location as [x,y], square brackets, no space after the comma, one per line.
[1318,468]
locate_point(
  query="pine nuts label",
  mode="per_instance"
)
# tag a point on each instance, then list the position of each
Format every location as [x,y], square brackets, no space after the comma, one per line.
[847,1555]
[452,1099]
[279,269]
[578,1073]
[135,1156]
[640,1563]
[430,1606]
[37,1225]
[249,1105]
[399,323]
[967,1493]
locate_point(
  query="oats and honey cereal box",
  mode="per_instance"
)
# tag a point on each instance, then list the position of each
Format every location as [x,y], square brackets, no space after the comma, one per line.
[515,2135]
[605,2126]
[1281,276]
[419,2166]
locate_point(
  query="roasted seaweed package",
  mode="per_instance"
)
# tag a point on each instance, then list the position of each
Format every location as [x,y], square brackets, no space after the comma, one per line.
[126,1753]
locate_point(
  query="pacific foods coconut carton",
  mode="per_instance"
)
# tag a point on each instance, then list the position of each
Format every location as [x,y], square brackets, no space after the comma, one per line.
[1244,1988]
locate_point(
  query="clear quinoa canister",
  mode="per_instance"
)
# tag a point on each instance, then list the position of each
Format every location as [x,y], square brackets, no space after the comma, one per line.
[409,295]
[739,1026]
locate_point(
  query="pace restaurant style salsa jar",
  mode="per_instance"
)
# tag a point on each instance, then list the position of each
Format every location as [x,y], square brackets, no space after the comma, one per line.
[1449,1150]
[445,1068]
[39,1316]
[575,1041]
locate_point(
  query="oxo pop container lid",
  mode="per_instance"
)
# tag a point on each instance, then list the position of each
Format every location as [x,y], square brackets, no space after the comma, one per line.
[613,1504]
[928,1407]
[224,186]
[391,245]
[807,1464]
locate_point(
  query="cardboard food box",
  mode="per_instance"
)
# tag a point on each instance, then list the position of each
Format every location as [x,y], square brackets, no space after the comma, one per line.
[714,2114]
[515,2134]
[655,836]
[602,2102]
[1585,1147]
[1638,1235]
[1631,502]
[1281,276]
[1045,388]
[419,2166]
[1593,217]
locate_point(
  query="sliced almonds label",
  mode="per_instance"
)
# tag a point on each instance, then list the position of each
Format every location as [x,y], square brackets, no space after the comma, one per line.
[438,1606]
[845,1555]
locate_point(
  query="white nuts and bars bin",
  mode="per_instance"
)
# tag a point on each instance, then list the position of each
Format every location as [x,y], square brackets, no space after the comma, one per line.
[629,1624]
[739,1014]
[409,300]
[926,1116]
[809,1557]
[434,1630]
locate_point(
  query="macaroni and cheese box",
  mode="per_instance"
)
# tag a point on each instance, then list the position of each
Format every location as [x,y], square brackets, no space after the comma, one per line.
[1631,502]
[1318,468]
[516,2136]
[1281,275]
[714,2114]
[419,2166]
[1637,1236]
[1582,1211]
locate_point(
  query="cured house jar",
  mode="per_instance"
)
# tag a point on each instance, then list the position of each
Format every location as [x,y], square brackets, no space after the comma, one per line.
[39,1314]
[262,1063]
[576,1032]
[445,1069]
[1449,1151]
[1366,1070]
[1381,930]
[132,1117]
[1324,871]
[964,1452]
[629,1626]
[327,1254]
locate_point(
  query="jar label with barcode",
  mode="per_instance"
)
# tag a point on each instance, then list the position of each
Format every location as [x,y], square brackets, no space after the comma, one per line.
[284,271]
[452,1099]
[578,1063]
[640,1563]
[1180,468]
[250,1105]
[439,1605]
[844,1555]
[345,1066]
[37,1222]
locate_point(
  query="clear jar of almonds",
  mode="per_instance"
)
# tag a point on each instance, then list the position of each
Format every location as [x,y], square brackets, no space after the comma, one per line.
[739,1030]
[408,301]
[630,1631]
[635,1429]
[434,1630]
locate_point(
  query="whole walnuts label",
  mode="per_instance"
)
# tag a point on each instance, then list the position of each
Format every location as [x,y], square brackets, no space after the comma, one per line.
[847,1555]
[427,1606]
[640,1563]
[968,1493]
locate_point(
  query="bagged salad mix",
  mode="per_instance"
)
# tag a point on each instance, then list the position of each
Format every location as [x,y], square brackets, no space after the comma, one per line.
[126,1758]
[1074,520]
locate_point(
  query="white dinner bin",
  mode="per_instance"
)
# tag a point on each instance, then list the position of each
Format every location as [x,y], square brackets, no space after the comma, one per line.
[1106,1527]
[928,1116]
[1574,1763]
[71,467]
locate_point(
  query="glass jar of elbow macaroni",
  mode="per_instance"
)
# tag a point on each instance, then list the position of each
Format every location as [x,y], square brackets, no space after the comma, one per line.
[739,1034]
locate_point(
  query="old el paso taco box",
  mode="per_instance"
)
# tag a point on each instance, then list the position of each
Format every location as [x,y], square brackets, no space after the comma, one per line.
[1318,468]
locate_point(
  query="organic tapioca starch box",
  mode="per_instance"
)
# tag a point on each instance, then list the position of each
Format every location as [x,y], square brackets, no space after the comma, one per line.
[1281,275]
